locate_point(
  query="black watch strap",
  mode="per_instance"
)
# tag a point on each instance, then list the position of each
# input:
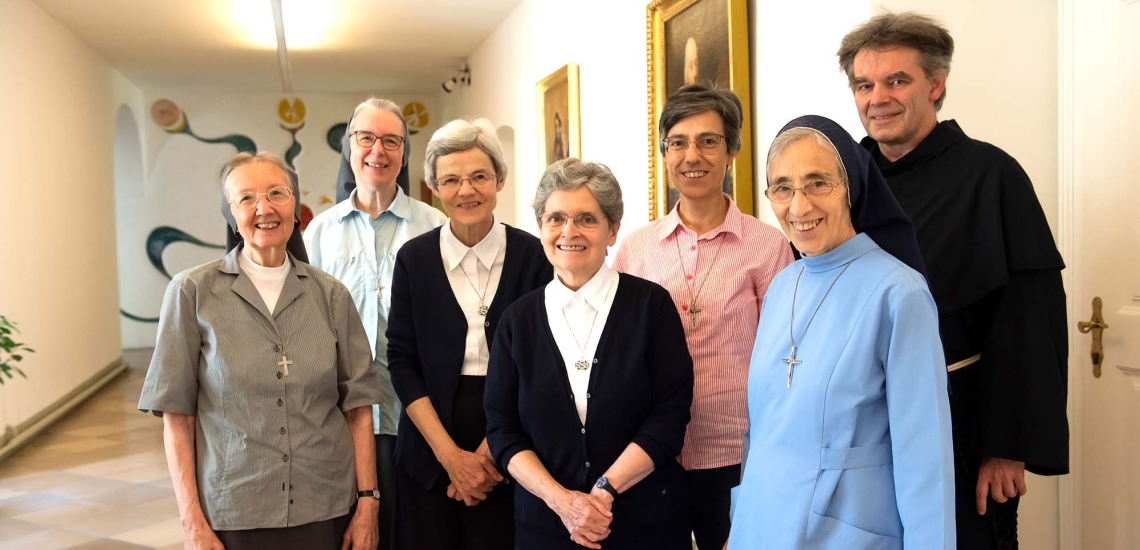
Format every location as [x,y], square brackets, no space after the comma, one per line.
[604,484]
[374,493]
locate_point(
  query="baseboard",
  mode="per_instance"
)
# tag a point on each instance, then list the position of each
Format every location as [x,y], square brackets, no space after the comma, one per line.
[14,438]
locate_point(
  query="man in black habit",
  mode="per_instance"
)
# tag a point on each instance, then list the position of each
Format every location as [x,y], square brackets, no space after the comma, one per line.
[994,270]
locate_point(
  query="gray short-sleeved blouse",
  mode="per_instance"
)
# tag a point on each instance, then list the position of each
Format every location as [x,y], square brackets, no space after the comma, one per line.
[273,448]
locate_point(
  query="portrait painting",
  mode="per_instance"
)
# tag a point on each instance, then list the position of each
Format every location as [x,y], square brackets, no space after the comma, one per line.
[558,118]
[698,42]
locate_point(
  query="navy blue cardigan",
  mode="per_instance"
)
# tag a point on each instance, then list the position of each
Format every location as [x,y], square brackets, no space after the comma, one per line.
[640,391]
[427,332]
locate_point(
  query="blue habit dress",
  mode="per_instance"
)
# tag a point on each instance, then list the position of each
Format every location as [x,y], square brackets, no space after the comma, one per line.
[857,453]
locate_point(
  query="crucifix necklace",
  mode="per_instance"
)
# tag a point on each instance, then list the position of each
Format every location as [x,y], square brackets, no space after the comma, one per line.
[482,305]
[791,361]
[387,255]
[693,309]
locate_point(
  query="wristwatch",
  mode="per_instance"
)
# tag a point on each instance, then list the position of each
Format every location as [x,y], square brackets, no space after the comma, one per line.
[604,484]
[374,493]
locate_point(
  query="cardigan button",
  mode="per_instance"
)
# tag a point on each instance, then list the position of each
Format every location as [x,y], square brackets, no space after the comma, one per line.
[278,375]
[486,323]
[587,464]
[583,430]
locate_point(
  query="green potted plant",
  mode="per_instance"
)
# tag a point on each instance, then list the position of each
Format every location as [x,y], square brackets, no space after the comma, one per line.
[11,351]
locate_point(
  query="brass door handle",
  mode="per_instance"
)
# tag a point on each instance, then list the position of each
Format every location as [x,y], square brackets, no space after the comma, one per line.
[1096,326]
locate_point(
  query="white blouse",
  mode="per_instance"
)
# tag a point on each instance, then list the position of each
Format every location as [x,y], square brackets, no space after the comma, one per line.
[576,321]
[467,267]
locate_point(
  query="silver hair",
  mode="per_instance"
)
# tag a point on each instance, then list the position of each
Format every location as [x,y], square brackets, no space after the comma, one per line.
[794,135]
[461,135]
[569,174]
[384,105]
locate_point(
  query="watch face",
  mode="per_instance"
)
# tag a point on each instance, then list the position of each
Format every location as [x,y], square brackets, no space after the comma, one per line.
[601,484]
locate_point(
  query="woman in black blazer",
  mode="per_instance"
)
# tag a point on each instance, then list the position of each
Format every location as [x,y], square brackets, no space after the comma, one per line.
[589,386]
[449,288]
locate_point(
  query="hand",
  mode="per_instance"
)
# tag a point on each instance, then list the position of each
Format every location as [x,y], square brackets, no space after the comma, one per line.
[201,537]
[586,520]
[603,499]
[999,479]
[472,474]
[362,532]
[454,493]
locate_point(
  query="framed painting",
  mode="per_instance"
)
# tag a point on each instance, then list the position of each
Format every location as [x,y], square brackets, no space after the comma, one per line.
[698,42]
[559,125]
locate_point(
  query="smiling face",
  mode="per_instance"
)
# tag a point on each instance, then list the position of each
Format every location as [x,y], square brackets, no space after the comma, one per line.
[815,225]
[698,173]
[375,167]
[467,204]
[577,253]
[895,99]
[265,228]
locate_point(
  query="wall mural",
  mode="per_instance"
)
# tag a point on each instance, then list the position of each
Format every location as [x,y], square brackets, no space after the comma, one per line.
[291,114]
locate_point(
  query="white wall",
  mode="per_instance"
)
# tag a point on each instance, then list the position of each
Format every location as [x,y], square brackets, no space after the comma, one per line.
[182,189]
[58,102]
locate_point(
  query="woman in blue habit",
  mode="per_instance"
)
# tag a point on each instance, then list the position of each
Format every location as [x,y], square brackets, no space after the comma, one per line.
[849,444]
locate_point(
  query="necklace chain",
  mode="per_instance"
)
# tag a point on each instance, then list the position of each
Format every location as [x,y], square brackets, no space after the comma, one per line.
[380,260]
[791,360]
[482,304]
[693,309]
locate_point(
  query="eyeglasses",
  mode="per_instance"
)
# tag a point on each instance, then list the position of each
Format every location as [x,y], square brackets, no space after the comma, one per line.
[557,221]
[368,139]
[248,200]
[478,180]
[782,192]
[680,144]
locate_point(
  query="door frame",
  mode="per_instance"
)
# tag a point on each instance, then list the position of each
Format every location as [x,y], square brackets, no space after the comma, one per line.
[1069,486]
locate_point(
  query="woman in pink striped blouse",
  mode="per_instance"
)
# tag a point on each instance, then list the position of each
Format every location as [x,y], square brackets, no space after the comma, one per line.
[716,263]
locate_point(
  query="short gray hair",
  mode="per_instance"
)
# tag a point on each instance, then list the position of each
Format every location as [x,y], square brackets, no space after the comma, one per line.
[909,29]
[695,99]
[461,135]
[801,133]
[569,174]
[384,105]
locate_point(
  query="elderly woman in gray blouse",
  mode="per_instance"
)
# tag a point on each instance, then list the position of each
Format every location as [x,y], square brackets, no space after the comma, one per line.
[263,376]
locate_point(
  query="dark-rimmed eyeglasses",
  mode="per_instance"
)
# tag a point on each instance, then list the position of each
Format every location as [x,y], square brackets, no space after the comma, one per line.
[478,180]
[248,200]
[783,192]
[388,141]
[680,144]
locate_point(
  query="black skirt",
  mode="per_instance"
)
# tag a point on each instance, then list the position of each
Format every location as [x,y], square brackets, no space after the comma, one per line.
[319,535]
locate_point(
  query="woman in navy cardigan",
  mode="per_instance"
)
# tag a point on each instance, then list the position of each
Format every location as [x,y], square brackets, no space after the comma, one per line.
[449,288]
[589,386]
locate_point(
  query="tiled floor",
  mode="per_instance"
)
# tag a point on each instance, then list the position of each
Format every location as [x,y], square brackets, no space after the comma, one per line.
[96,480]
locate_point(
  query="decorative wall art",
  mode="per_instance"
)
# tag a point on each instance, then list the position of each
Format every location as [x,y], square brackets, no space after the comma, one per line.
[698,42]
[559,124]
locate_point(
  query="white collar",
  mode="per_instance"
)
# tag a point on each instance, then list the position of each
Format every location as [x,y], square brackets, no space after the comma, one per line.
[485,250]
[594,292]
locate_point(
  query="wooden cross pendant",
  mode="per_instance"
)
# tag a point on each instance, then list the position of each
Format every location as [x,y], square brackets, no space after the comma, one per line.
[792,362]
[693,311]
[284,364]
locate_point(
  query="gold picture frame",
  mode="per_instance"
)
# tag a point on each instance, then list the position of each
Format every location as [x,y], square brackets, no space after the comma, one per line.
[557,99]
[678,31]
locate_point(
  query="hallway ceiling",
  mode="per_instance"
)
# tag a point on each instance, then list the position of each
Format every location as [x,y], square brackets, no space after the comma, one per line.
[229,45]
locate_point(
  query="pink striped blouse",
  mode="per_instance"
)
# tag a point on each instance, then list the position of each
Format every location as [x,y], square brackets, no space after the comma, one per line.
[729,269]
